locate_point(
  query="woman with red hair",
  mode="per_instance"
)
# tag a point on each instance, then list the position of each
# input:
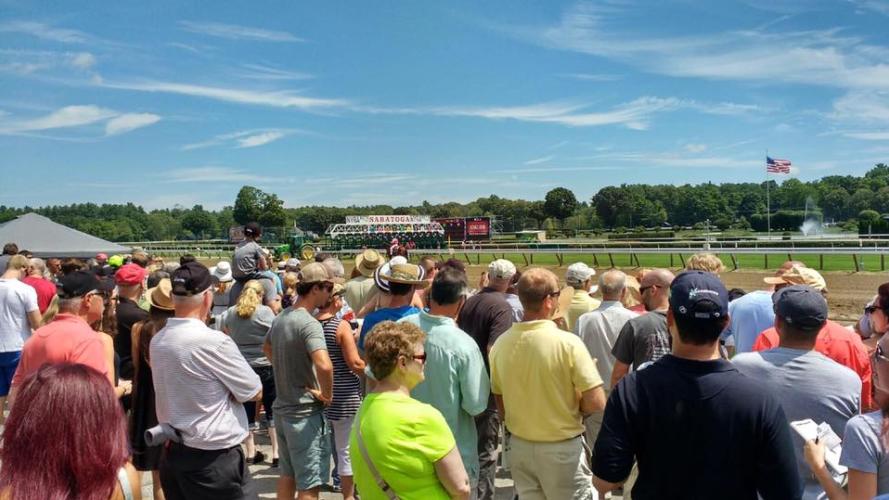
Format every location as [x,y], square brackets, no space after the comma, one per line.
[66,438]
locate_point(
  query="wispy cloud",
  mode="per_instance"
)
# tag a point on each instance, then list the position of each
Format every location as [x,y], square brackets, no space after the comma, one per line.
[592,77]
[26,62]
[809,57]
[210,174]
[537,161]
[244,138]
[235,32]
[263,72]
[45,31]
[695,148]
[868,136]
[276,99]
[80,116]
[130,121]
[862,105]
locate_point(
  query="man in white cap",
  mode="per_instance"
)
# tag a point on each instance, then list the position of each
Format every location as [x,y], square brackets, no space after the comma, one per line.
[359,287]
[485,316]
[579,276]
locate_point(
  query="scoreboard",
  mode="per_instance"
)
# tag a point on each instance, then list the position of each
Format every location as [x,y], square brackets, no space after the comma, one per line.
[466,228]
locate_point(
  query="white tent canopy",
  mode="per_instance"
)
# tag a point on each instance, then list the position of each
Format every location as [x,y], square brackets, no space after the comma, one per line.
[45,238]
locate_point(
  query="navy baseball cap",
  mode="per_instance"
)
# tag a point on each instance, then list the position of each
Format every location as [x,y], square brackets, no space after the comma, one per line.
[698,295]
[801,306]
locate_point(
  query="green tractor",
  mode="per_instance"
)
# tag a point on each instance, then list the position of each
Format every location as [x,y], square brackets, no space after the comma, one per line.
[299,247]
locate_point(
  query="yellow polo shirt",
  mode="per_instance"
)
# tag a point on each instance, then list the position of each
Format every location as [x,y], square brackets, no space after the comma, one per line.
[540,371]
[581,303]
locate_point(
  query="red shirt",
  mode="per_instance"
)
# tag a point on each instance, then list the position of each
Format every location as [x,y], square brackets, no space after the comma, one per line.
[67,339]
[46,290]
[839,344]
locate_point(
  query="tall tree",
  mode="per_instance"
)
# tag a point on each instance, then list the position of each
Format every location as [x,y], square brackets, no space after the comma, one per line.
[559,203]
[248,205]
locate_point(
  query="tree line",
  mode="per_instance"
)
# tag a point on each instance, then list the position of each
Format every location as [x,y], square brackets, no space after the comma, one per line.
[845,199]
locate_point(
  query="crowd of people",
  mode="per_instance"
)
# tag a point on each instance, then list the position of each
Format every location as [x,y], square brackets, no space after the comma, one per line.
[403,380]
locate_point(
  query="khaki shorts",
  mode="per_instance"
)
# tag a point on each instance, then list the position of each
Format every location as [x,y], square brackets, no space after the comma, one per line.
[559,470]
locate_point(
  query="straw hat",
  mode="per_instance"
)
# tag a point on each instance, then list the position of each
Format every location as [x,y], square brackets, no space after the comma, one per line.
[380,272]
[407,274]
[161,295]
[368,261]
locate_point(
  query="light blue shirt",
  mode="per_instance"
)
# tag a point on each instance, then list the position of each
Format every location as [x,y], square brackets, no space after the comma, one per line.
[863,448]
[750,315]
[456,381]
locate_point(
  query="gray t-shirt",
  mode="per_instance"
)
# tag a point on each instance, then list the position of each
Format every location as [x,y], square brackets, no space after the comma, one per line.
[249,333]
[809,385]
[863,448]
[642,339]
[247,255]
[294,336]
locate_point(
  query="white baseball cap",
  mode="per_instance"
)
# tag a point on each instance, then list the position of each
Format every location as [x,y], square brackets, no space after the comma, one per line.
[579,272]
[502,269]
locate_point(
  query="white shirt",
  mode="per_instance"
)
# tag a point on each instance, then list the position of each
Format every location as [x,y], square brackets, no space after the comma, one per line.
[17,299]
[200,383]
[599,330]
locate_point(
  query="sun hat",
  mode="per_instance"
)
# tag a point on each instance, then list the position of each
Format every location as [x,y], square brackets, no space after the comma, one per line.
[801,306]
[368,261]
[406,274]
[161,296]
[292,262]
[502,269]
[379,280]
[222,271]
[698,295]
[799,275]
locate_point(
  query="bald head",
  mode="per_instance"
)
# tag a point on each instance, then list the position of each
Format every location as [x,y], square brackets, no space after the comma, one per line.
[657,277]
[612,283]
[534,287]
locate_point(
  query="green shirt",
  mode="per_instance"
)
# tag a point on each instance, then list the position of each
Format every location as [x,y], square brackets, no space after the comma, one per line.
[456,381]
[404,439]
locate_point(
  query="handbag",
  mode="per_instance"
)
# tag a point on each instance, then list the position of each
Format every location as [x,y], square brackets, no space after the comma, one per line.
[378,478]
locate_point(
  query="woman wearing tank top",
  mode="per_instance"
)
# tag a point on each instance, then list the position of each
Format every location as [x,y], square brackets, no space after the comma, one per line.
[347,366]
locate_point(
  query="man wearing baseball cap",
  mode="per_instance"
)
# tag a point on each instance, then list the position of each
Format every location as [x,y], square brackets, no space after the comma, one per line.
[579,277]
[69,338]
[485,316]
[304,385]
[696,425]
[834,340]
[808,384]
[201,381]
[130,281]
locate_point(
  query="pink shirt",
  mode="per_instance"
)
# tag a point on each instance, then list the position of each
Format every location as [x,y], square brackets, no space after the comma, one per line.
[67,339]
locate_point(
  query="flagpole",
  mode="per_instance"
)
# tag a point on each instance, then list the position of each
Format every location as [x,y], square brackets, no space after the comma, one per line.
[768,201]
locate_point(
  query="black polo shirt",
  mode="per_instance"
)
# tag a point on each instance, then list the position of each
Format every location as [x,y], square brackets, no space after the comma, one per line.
[128,314]
[699,430]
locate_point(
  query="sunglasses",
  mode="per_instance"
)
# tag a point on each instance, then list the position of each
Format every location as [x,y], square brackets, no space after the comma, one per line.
[554,294]
[420,357]
[642,289]
[873,309]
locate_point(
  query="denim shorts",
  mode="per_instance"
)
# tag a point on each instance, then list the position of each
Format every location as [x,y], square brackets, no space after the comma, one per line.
[9,361]
[304,444]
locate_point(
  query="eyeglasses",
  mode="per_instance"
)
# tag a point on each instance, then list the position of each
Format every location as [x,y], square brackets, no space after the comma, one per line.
[420,357]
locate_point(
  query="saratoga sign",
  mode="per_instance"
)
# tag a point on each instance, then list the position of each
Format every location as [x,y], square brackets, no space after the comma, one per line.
[387,219]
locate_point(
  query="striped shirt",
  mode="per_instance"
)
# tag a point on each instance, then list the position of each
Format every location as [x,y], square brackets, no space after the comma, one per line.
[346,385]
[200,383]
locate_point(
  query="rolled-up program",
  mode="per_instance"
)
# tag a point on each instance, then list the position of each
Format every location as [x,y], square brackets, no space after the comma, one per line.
[160,434]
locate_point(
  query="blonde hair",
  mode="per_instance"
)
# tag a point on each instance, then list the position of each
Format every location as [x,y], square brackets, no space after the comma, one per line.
[51,310]
[705,262]
[633,297]
[17,263]
[289,282]
[389,340]
[250,299]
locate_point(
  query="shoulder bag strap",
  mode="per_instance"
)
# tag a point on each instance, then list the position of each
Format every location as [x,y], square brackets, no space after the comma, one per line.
[125,487]
[378,478]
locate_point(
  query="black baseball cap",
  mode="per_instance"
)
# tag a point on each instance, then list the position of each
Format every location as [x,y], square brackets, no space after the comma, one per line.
[801,306]
[252,229]
[698,295]
[80,283]
[190,278]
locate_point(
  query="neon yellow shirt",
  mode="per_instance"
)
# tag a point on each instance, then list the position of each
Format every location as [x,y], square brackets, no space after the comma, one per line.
[540,371]
[404,439]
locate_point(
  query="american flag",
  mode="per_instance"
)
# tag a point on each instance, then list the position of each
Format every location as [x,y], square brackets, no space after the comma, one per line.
[776,166]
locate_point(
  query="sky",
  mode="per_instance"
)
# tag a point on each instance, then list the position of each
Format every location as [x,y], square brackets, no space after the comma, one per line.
[338,103]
